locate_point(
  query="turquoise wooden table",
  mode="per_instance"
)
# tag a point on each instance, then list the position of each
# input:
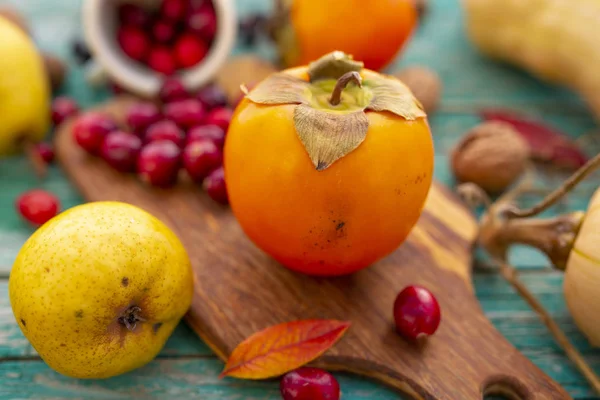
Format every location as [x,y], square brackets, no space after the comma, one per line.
[186,368]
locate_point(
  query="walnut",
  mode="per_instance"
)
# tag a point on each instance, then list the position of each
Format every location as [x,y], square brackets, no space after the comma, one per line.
[244,69]
[425,85]
[491,155]
[56,70]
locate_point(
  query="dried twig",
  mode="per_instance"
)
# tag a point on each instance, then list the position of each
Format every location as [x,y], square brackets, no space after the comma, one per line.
[511,275]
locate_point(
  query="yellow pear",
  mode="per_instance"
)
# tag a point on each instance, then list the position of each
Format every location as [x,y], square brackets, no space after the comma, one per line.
[24,90]
[98,289]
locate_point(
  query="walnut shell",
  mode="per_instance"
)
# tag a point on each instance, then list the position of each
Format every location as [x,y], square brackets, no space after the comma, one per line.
[491,155]
[56,70]
[14,16]
[425,84]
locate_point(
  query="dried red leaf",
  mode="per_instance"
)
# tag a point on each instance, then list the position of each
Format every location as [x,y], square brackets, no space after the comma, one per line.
[546,144]
[283,348]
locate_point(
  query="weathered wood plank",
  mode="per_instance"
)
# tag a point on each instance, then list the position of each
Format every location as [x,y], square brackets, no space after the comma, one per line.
[162,379]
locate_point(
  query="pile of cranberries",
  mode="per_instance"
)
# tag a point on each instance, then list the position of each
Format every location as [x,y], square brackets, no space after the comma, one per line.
[176,36]
[186,131]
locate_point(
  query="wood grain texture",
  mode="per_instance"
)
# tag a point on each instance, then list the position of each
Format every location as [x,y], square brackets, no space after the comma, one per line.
[240,290]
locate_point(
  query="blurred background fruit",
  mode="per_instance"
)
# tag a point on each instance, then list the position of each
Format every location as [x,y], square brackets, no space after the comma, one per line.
[24,91]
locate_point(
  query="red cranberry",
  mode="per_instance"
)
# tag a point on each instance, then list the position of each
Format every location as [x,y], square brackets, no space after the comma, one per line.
[185,113]
[159,162]
[161,60]
[90,129]
[215,187]
[207,132]
[46,152]
[416,312]
[133,15]
[309,384]
[189,50]
[141,115]
[197,4]
[203,22]
[120,150]
[37,206]
[133,42]
[163,31]
[220,117]
[63,108]
[173,9]
[173,89]
[165,130]
[212,96]
[200,158]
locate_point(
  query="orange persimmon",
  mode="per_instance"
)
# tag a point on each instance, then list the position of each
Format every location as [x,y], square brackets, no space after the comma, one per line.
[328,166]
[373,31]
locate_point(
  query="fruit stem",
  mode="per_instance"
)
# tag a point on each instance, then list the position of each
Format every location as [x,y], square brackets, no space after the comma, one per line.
[131,317]
[553,236]
[336,95]
[556,195]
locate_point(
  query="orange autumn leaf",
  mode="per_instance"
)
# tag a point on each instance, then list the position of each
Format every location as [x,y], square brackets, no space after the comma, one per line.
[282,348]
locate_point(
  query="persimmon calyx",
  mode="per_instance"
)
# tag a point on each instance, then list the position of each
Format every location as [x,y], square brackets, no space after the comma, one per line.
[330,117]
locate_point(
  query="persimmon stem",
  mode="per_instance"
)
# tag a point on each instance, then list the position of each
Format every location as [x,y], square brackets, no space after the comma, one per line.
[336,95]
[510,274]
[556,195]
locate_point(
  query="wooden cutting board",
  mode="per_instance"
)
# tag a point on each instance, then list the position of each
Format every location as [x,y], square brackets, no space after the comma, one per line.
[239,290]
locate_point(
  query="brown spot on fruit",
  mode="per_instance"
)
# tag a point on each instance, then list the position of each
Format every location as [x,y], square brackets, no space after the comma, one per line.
[23,322]
[340,226]
[47,269]
[156,327]
[79,314]
[125,281]
[63,345]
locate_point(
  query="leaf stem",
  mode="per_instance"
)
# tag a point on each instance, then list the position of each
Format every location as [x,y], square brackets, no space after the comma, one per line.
[556,195]
[510,274]
[336,95]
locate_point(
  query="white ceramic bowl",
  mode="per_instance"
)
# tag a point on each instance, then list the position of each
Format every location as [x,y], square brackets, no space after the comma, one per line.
[100,24]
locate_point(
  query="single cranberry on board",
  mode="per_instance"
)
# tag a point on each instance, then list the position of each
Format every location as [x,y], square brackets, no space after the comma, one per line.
[165,130]
[141,115]
[174,10]
[37,206]
[416,312]
[133,15]
[91,128]
[120,150]
[46,152]
[203,22]
[134,42]
[159,162]
[309,384]
[200,158]
[163,31]
[212,96]
[185,113]
[161,60]
[172,89]
[62,108]
[189,50]
[216,187]
[220,116]
[213,133]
